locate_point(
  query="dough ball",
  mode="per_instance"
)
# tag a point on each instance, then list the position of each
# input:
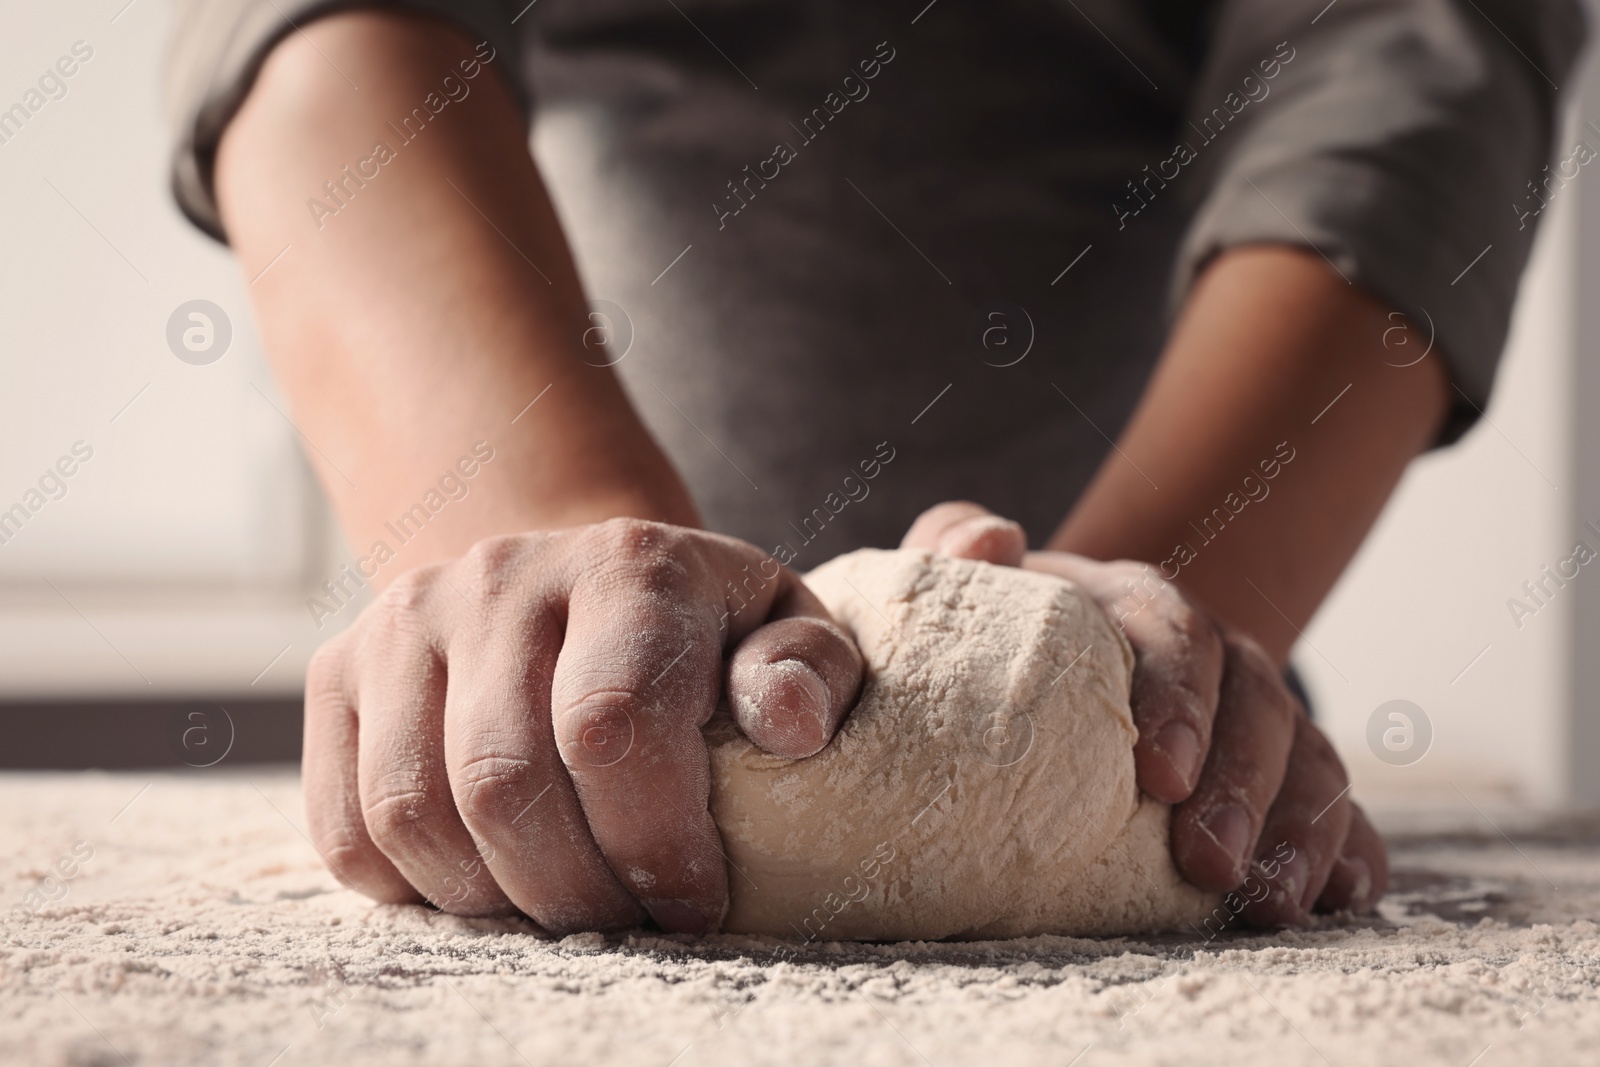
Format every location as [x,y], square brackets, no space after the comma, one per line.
[983,786]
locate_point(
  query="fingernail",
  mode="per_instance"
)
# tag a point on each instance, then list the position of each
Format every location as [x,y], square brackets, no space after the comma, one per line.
[784,704]
[1294,880]
[1179,745]
[676,917]
[812,700]
[813,690]
[1229,827]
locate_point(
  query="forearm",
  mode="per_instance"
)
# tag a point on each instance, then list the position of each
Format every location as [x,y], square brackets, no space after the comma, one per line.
[435,304]
[1269,338]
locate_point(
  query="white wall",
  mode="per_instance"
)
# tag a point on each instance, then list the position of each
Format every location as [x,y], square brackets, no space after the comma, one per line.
[174,561]
[1427,594]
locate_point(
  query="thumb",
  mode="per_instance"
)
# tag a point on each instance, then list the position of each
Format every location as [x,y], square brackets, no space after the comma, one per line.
[792,681]
[965,530]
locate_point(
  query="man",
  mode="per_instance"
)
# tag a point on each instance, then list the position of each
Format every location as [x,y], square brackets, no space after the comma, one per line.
[847,260]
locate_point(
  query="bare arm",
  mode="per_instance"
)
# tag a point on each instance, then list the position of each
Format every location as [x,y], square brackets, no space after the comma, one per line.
[1270,338]
[435,304]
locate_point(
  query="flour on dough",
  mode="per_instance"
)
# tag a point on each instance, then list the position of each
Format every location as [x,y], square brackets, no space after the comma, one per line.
[983,786]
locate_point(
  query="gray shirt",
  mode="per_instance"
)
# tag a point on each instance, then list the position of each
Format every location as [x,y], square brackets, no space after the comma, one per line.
[856,257]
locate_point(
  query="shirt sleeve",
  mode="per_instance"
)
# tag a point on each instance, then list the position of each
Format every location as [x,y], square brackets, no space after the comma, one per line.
[1398,139]
[218,48]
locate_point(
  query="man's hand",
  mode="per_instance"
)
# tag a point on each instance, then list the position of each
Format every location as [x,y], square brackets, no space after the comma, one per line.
[520,728]
[515,722]
[1220,736]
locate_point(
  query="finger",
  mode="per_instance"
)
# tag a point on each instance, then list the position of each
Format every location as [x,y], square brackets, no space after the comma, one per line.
[968,531]
[1304,832]
[637,677]
[792,681]
[509,783]
[1177,670]
[328,769]
[1214,832]
[1361,874]
[405,790]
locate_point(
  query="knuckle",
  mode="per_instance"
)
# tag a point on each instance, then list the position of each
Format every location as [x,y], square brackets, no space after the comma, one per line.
[624,536]
[489,788]
[656,573]
[409,592]
[1118,578]
[398,817]
[345,859]
[812,639]
[340,847]
[494,563]
[1125,569]
[1248,652]
[400,616]
[1195,629]
[941,518]
[354,865]
[1256,678]
[642,553]
[827,647]
[401,612]
[1140,595]
[598,729]
[327,672]
[343,856]
[1189,639]
[955,509]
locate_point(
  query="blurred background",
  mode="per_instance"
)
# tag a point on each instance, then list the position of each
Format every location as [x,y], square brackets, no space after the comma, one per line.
[153,603]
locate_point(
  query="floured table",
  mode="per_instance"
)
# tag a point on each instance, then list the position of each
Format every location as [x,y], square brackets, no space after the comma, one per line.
[199,927]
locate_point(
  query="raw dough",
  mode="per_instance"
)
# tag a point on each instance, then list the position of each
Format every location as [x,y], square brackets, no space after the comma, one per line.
[983,787]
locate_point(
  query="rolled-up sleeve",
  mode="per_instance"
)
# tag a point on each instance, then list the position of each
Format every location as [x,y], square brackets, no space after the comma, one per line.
[1397,138]
[218,48]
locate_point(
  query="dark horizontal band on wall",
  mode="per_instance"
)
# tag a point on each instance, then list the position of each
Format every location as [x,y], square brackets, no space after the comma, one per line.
[115,734]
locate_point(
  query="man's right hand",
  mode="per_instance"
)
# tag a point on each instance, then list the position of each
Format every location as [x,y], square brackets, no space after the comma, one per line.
[1221,737]
[519,728]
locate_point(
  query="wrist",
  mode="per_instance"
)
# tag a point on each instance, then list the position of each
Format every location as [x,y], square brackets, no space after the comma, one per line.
[445,520]
[660,503]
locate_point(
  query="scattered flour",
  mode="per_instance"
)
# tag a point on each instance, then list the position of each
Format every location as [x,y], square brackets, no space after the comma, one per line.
[205,931]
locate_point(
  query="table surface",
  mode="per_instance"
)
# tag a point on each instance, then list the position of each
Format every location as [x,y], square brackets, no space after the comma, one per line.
[199,926]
